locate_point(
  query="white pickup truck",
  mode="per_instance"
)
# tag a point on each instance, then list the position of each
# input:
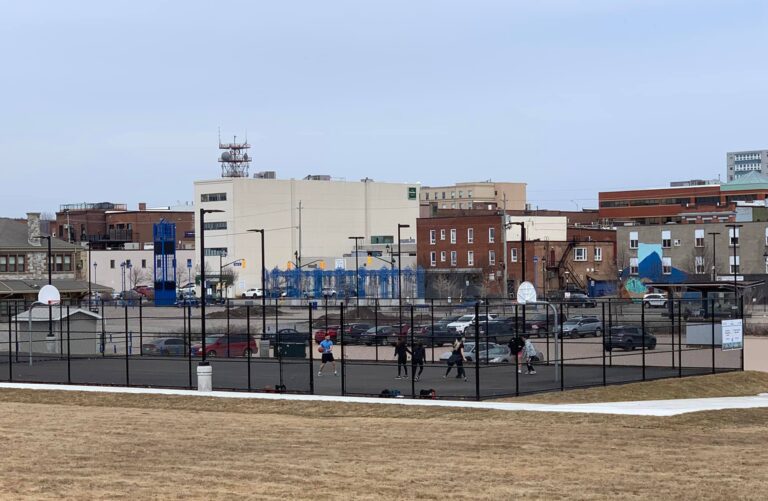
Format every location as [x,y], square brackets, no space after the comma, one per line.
[464,321]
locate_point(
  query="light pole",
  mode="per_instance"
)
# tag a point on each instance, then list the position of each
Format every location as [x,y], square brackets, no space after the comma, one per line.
[203,212]
[90,292]
[734,241]
[391,270]
[50,279]
[714,255]
[263,284]
[521,224]
[222,289]
[399,281]
[357,271]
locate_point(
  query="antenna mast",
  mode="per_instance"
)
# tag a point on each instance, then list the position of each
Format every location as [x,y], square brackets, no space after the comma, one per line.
[234,160]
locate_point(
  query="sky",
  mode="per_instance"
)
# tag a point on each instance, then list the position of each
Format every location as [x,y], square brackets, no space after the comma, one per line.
[123,101]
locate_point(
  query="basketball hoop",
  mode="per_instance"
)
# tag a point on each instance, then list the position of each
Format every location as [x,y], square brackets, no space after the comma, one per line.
[49,295]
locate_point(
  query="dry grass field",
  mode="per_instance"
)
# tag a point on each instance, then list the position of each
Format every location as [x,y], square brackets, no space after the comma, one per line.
[86,446]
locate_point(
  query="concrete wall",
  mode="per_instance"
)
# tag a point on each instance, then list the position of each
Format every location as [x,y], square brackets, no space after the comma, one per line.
[109,276]
[331,212]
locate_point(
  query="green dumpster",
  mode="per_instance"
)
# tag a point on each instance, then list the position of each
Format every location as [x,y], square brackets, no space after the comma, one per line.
[293,350]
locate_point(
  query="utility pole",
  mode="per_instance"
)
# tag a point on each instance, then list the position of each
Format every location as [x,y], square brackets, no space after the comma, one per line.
[714,255]
[298,256]
[505,291]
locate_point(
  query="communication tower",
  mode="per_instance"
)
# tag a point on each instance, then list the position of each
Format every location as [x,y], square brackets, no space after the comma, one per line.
[234,159]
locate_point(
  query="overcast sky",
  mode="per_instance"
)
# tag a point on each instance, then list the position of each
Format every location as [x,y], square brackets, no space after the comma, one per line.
[121,100]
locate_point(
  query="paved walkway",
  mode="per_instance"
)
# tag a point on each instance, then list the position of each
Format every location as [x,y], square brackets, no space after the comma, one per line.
[643,408]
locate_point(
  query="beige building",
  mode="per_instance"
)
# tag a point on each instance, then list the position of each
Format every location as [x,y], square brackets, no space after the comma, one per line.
[106,269]
[486,195]
[308,220]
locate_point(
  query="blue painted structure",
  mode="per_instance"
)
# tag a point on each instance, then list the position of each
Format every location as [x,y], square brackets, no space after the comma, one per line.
[164,237]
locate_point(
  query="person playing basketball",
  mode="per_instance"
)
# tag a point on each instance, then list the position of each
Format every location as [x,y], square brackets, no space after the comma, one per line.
[327,355]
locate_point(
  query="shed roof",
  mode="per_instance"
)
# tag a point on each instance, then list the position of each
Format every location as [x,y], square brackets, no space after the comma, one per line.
[40,314]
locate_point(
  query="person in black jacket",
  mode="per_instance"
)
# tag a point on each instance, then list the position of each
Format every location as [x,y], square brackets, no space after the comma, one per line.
[418,358]
[401,352]
[516,345]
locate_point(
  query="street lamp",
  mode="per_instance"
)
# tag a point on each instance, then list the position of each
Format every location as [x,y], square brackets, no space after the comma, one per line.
[521,224]
[263,284]
[357,271]
[222,289]
[733,240]
[203,212]
[714,255]
[399,281]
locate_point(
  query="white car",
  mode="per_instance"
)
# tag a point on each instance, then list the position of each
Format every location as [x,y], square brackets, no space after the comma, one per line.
[654,300]
[252,293]
[464,321]
[495,354]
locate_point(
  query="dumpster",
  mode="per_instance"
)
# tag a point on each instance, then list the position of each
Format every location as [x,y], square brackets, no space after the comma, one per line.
[293,350]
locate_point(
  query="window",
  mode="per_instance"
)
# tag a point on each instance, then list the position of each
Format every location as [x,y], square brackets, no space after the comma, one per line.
[143,263]
[20,264]
[58,261]
[433,258]
[633,240]
[491,258]
[699,238]
[580,254]
[453,194]
[382,239]
[461,194]
[699,265]
[666,239]
[442,256]
[112,264]
[443,195]
[432,237]
[733,237]
[633,269]
[442,234]
[598,254]
[216,251]
[666,265]
[469,193]
[453,206]
[453,258]
[734,264]
[491,235]
[470,258]
[213,197]
[216,225]
[426,195]
[11,264]
[453,236]
[513,255]
[471,235]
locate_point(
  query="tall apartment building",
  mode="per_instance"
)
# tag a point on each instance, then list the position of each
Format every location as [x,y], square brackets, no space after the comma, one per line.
[485,195]
[307,222]
[744,162]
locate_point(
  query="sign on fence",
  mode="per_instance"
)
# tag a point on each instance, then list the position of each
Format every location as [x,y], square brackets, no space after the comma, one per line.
[733,335]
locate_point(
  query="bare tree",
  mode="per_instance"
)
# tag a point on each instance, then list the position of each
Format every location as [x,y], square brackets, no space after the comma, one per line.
[138,276]
[488,286]
[445,286]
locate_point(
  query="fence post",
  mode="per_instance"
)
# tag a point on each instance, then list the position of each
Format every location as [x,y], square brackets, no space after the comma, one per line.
[413,366]
[16,329]
[69,367]
[376,332]
[103,330]
[602,340]
[672,319]
[248,337]
[642,337]
[477,351]
[10,338]
[562,356]
[517,357]
[713,334]
[188,329]
[610,329]
[679,341]
[127,348]
[141,325]
[341,342]
[311,354]
[432,327]
[226,307]
[743,330]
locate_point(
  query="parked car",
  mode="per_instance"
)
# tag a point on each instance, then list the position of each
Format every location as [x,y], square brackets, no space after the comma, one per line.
[654,300]
[464,321]
[489,352]
[433,336]
[577,300]
[188,300]
[581,326]
[629,337]
[145,290]
[377,335]
[539,323]
[328,292]
[331,330]
[234,345]
[352,333]
[164,346]
[287,335]
[498,330]
[253,293]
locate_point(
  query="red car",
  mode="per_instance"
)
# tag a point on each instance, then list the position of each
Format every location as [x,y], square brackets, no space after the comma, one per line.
[331,331]
[240,345]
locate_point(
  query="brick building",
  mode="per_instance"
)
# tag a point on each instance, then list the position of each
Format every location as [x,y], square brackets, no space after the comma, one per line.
[107,225]
[462,255]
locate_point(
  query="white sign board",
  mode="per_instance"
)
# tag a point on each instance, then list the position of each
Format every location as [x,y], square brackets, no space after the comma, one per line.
[733,335]
[340,264]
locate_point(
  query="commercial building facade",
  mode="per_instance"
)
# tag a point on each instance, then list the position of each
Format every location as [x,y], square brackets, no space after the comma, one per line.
[740,163]
[486,195]
[307,222]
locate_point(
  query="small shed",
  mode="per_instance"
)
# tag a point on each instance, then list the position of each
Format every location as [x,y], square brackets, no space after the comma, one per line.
[82,327]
